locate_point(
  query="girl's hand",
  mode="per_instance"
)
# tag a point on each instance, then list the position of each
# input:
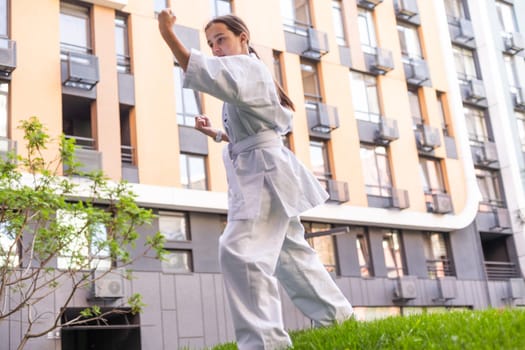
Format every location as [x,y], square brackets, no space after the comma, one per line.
[203,124]
[166,20]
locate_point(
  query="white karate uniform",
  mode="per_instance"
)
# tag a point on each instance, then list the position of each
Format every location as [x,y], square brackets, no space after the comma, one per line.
[267,189]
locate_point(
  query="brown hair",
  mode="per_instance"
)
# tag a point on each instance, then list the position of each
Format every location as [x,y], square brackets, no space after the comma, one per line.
[237,26]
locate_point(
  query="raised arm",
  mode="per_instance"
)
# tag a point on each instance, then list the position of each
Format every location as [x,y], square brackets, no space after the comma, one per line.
[166,21]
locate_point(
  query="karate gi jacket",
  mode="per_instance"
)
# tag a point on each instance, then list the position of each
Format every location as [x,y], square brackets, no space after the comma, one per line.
[254,121]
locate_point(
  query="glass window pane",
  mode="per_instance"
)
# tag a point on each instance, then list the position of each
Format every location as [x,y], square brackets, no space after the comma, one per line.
[177,261]
[184,171]
[393,254]
[8,246]
[173,226]
[223,7]
[74,28]
[4,87]
[337,17]
[160,5]
[318,159]
[197,173]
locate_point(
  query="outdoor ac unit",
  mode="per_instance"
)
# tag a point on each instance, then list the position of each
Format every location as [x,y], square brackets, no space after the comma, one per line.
[384,62]
[406,8]
[441,203]
[489,153]
[338,191]
[416,71]
[476,90]
[518,99]
[516,288]
[466,32]
[502,219]
[317,44]
[400,198]
[108,284]
[369,4]
[388,130]
[429,137]
[447,288]
[514,43]
[406,288]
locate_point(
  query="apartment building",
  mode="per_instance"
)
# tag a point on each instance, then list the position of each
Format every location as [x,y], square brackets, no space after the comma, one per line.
[410,112]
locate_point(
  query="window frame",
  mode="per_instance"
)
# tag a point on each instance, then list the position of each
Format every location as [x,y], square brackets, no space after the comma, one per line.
[441,265]
[378,189]
[339,22]
[123,58]
[185,228]
[189,261]
[411,47]
[325,246]
[189,157]
[182,96]
[397,256]
[366,84]
[84,13]
[367,31]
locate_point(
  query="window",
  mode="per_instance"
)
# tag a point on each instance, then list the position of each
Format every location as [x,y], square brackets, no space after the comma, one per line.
[187,101]
[9,255]
[363,253]
[367,32]
[174,226]
[465,61]
[376,170]
[441,103]
[409,41]
[476,125]
[221,7]
[128,154]
[415,108]
[122,44]
[393,254]
[193,171]
[365,97]
[4,120]
[86,246]
[320,161]
[512,77]
[324,245]
[4,18]
[177,261]
[296,16]
[489,184]
[506,16]
[337,17]
[437,255]
[160,5]
[432,177]
[76,121]
[310,77]
[75,32]
[455,10]
[277,67]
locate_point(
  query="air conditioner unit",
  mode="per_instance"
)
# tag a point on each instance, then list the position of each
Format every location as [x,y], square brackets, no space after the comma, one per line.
[447,287]
[466,32]
[368,4]
[518,99]
[400,198]
[488,154]
[429,138]
[475,90]
[338,191]
[406,288]
[388,130]
[441,203]
[317,44]
[406,8]
[502,219]
[514,43]
[516,288]
[384,62]
[108,285]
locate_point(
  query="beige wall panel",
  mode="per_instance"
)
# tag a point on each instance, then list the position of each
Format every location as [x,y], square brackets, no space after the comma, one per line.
[157,133]
[352,35]
[264,20]
[387,37]
[432,49]
[346,163]
[195,16]
[323,21]
[140,8]
[403,152]
[107,103]
[35,85]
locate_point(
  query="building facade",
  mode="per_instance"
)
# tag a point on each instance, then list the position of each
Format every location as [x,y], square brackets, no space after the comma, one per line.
[410,112]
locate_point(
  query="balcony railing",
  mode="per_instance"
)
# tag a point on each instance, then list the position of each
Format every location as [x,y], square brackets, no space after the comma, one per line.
[499,270]
[82,142]
[127,154]
[438,268]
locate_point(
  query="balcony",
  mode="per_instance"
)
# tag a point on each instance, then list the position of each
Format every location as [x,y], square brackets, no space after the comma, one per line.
[7,57]
[79,70]
[129,169]
[85,153]
[439,268]
[501,270]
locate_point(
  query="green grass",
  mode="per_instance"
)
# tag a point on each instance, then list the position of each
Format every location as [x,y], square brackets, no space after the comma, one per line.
[488,329]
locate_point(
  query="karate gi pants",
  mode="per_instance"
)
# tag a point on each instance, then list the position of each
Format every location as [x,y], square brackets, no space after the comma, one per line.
[253,255]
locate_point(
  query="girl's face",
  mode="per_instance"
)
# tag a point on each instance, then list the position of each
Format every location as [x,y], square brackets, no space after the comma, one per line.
[223,42]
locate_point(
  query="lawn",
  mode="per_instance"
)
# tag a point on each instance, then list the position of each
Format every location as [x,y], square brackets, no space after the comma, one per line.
[487,329]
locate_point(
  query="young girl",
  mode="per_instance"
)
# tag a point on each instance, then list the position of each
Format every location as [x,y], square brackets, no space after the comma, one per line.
[268,188]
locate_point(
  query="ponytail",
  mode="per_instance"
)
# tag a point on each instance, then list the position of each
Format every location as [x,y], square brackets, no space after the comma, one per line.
[283,97]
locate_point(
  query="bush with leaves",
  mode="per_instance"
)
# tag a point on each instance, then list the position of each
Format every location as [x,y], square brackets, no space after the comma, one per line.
[57,226]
